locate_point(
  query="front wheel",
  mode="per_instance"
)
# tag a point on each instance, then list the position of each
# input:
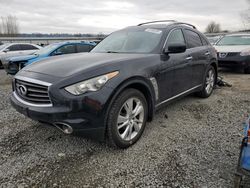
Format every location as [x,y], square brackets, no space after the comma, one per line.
[209,83]
[127,118]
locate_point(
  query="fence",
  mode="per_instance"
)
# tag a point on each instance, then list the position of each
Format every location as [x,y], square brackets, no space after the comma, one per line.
[46,40]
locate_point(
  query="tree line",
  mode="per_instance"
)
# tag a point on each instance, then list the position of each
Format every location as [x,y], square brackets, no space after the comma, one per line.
[9,26]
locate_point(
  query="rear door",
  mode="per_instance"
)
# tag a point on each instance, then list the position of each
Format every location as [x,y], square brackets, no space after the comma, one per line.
[199,53]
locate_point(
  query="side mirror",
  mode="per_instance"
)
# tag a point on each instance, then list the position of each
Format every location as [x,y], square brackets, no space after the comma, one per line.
[6,50]
[175,48]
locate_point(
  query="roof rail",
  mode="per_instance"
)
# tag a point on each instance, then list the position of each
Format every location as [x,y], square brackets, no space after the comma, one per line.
[183,23]
[156,22]
[174,22]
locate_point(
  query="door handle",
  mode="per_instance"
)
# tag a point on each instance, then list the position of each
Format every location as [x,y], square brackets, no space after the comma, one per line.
[207,53]
[189,58]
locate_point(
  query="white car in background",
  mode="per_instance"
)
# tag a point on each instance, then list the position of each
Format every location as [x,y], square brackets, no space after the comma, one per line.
[234,51]
[16,49]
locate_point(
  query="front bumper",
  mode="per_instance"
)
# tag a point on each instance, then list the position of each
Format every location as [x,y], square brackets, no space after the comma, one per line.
[234,60]
[85,114]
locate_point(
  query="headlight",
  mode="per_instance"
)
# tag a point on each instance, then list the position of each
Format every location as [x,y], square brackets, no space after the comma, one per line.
[245,52]
[93,84]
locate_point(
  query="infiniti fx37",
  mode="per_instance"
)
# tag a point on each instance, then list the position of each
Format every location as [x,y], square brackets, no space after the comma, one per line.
[115,89]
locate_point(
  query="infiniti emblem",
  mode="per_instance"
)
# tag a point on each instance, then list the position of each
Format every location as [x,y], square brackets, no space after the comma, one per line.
[222,54]
[22,90]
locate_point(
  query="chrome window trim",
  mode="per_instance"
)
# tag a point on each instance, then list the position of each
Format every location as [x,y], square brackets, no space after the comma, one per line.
[30,104]
[32,80]
[172,30]
[178,95]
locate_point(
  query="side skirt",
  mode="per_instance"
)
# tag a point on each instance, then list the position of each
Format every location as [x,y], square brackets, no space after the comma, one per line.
[189,91]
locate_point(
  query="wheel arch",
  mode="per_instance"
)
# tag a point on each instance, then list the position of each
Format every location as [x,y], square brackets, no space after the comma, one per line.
[143,85]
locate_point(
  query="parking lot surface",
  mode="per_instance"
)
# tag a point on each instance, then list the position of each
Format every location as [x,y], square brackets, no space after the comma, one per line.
[191,143]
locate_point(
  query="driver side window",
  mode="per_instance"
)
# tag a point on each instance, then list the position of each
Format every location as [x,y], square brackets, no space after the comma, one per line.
[176,36]
[67,49]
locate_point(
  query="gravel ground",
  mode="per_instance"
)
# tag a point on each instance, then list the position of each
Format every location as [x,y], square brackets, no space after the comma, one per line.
[191,143]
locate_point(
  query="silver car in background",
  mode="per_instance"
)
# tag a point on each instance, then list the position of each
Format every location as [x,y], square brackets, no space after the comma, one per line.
[233,51]
[16,49]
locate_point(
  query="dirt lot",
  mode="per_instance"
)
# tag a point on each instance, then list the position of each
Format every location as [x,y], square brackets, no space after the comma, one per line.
[196,145]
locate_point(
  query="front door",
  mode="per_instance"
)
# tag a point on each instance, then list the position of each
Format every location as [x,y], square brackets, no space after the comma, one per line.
[182,64]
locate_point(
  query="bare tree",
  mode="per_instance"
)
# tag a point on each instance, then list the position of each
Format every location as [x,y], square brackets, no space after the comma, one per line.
[245,16]
[9,26]
[213,28]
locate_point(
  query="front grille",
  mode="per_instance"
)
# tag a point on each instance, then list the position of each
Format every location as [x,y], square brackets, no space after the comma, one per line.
[229,54]
[32,92]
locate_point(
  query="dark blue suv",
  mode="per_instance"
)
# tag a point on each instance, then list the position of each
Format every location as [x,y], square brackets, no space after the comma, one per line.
[115,89]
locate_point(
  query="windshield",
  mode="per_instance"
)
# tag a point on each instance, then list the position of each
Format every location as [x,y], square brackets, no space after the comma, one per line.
[130,41]
[46,50]
[3,46]
[235,40]
[213,40]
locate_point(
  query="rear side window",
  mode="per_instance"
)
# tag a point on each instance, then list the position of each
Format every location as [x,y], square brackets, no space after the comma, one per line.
[176,36]
[67,49]
[14,47]
[27,47]
[83,48]
[193,39]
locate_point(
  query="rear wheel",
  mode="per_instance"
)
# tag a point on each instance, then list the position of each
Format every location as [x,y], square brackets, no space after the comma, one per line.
[237,181]
[209,83]
[127,118]
[1,65]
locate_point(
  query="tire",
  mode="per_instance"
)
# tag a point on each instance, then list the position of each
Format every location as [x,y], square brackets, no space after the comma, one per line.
[127,119]
[209,83]
[1,65]
[247,70]
[237,181]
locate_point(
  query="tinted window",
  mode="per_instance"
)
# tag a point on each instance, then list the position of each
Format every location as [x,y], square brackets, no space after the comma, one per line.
[176,36]
[27,47]
[193,39]
[14,47]
[83,48]
[67,49]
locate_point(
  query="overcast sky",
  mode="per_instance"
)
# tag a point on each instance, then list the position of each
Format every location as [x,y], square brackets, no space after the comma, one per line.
[94,16]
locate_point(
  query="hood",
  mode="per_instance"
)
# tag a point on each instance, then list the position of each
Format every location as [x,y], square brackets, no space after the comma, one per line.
[67,65]
[232,48]
[23,58]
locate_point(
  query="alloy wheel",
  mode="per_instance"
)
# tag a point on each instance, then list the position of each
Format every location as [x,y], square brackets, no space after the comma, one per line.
[210,79]
[130,119]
